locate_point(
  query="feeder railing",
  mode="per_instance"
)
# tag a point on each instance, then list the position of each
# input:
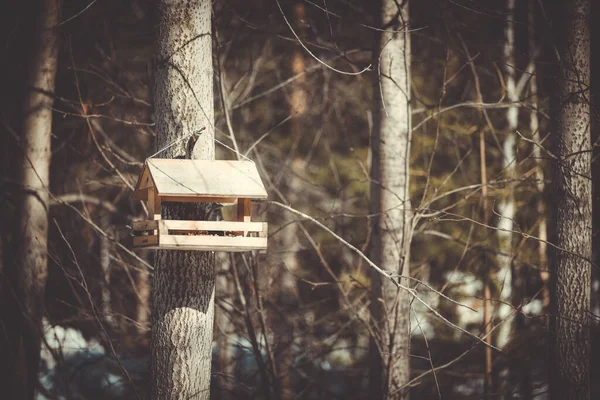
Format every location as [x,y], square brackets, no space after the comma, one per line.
[200,235]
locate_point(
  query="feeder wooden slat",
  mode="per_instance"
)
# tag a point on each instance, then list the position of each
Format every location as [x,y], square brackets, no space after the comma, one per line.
[199,199]
[144,225]
[183,225]
[145,241]
[213,225]
[207,243]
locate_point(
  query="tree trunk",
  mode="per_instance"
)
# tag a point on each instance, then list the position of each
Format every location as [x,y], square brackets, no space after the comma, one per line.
[224,314]
[534,126]
[506,208]
[105,250]
[488,383]
[287,297]
[572,212]
[390,202]
[32,262]
[595,127]
[520,364]
[142,310]
[184,282]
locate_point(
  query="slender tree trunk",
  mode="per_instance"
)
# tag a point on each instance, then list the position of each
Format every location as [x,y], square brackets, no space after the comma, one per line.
[506,208]
[390,202]
[224,360]
[534,126]
[520,364]
[287,296]
[572,212]
[142,311]
[298,95]
[184,281]
[32,263]
[105,249]
[487,293]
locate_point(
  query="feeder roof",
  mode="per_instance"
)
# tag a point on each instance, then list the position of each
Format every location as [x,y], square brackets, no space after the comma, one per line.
[200,178]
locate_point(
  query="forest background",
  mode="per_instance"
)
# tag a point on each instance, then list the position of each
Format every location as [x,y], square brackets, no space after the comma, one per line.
[308,128]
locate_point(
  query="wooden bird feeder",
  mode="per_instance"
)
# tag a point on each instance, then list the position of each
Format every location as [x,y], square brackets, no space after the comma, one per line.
[200,181]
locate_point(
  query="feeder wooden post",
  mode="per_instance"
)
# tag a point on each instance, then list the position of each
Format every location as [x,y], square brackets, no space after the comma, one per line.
[244,212]
[157,206]
[154,204]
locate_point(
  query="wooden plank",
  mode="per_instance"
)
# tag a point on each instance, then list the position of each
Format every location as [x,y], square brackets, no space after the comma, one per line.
[141,195]
[145,241]
[144,225]
[152,204]
[244,210]
[144,182]
[145,179]
[212,225]
[244,213]
[218,178]
[199,199]
[157,207]
[183,225]
[212,243]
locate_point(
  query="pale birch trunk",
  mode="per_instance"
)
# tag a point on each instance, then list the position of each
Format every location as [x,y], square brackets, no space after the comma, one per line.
[184,282]
[520,365]
[570,272]
[32,261]
[506,208]
[534,126]
[105,249]
[390,202]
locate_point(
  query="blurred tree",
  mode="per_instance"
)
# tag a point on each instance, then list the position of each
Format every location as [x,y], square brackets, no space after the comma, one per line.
[390,202]
[287,281]
[506,207]
[572,209]
[32,262]
[183,285]
[534,126]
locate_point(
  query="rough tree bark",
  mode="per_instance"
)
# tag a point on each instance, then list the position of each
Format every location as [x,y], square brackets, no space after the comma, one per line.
[390,202]
[570,272]
[183,284]
[32,262]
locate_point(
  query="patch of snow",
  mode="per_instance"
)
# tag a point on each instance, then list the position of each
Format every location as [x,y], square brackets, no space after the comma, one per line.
[65,342]
[534,307]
